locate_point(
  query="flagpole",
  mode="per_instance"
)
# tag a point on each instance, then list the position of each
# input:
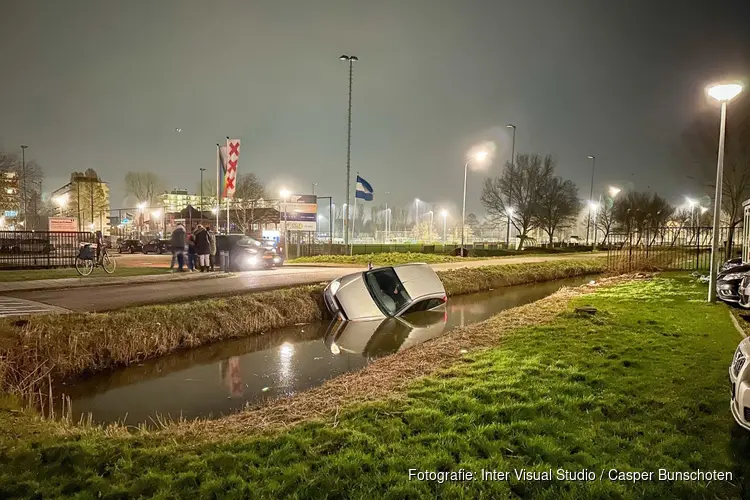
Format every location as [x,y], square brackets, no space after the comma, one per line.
[227,197]
[354,216]
[218,187]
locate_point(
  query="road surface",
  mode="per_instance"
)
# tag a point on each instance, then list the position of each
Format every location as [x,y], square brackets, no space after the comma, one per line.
[109,297]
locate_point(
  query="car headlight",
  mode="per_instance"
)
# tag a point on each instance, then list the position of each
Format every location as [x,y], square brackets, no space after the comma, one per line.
[251,260]
[334,286]
[733,276]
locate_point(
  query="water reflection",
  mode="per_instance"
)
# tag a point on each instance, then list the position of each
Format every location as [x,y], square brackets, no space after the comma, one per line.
[224,377]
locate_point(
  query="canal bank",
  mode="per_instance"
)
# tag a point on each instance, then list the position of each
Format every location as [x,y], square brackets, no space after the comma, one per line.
[76,344]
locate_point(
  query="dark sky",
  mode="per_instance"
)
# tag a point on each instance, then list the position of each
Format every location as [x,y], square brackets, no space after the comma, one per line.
[103,85]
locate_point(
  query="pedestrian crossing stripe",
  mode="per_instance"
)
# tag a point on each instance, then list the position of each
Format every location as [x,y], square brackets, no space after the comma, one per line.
[10,306]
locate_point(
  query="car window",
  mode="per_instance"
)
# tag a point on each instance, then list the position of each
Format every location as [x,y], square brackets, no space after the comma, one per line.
[424,305]
[248,242]
[387,290]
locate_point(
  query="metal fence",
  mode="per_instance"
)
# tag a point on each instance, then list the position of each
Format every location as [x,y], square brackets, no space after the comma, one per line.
[40,249]
[687,248]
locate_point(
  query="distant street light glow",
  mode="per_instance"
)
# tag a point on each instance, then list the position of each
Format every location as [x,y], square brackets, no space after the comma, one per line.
[614,191]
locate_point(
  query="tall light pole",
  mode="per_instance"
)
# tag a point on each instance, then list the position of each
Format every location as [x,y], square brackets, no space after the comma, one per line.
[591,195]
[23,170]
[285,195]
[479,156]
[723,94]
[351,60]
[313,186]
[432,221]
[510,196]
[444,213]
[202,170]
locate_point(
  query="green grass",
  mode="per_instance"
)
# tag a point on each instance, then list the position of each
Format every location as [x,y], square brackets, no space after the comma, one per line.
[50,274]
[640,386]
[379,259]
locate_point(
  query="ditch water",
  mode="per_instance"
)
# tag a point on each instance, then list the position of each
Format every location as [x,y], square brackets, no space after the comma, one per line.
[224,377]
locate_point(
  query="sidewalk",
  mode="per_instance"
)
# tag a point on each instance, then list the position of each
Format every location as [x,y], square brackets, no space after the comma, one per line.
[61,283]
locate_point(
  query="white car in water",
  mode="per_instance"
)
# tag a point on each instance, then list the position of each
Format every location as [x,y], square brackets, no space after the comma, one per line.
[739,377]
[385,292]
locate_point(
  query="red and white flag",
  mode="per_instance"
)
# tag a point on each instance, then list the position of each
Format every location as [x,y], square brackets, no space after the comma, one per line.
[233,157]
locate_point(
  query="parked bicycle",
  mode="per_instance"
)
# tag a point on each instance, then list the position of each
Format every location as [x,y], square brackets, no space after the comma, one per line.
[88,259]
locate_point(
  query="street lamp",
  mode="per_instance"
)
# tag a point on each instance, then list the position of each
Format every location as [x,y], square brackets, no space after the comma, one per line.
[512,162]
[432,221]
[444,213]
[285,195]
[479,156]
[313,187]
[591,195]
[593,207]
[351,60]
[723,94]
[614,191]
[202,170]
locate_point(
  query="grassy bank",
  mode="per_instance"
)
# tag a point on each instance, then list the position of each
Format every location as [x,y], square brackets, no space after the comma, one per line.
[379,259]
[639,386]
[51,274]
[73,344]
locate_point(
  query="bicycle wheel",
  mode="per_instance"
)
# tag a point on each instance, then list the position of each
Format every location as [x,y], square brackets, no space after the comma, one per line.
[84,266]
[108,264]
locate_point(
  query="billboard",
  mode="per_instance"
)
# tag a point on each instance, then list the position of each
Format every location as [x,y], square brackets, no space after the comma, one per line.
[64,224]
[300,212]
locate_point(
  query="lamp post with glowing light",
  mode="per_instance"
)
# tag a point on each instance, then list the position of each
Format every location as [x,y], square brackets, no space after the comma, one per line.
[723,94]
[591,195]
[480,156]
[285,196]
[593,206]
[351,60]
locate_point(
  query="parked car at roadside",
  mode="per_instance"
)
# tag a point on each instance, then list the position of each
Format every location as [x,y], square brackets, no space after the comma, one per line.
[728,283]
[730,264]
[272,246]
[384,292]
[739,378]
[130,246]
[158,246]
[245,253]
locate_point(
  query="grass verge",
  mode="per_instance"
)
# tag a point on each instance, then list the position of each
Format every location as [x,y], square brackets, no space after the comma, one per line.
[381,259]
[618,390]
[74,344]
[52,274]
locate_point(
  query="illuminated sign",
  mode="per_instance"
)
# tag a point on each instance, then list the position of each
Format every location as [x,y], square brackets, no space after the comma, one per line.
[11,213]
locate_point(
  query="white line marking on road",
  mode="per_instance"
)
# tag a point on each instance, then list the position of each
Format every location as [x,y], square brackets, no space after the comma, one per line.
[10,306]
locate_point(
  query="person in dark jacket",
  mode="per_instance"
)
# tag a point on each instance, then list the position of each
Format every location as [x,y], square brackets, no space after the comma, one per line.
[178,243]
[202,247]
[191,252]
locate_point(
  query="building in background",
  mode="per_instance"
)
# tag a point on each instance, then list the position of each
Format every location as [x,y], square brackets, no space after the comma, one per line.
[179,199]
[85,197]
[10,199]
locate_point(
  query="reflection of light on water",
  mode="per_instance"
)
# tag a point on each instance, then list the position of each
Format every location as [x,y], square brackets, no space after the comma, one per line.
[286,351]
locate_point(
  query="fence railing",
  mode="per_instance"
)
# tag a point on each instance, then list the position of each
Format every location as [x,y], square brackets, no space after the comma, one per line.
[39,249]
[670,248]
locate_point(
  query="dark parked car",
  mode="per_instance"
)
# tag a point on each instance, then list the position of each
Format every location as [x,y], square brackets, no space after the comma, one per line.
[728,283]
[730,264]
[158,246]
[131,246]
[245,253]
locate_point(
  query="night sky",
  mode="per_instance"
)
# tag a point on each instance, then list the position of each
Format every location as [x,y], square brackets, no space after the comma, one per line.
[89,85]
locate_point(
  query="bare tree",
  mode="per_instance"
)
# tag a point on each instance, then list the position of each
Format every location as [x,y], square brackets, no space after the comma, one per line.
[248,191]
[144,186]
[521,182]
[701,140]
[640,213]
[557,206]
[605,218]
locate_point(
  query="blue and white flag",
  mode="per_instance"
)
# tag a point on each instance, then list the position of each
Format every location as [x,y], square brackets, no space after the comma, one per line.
[364,190]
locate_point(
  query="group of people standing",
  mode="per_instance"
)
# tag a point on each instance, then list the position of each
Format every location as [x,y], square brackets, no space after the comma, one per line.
[196,251]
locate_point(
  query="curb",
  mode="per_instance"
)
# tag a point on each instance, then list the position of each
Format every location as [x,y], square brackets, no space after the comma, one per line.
[93,284]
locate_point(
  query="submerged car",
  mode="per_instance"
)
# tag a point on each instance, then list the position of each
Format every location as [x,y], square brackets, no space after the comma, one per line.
[728,283]
[377,338]
[385,292]
[739,377]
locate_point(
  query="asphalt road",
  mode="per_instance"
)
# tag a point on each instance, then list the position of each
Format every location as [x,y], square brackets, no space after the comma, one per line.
[104,298]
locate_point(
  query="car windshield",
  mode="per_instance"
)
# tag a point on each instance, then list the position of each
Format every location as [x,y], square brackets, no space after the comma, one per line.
[248,242]
[387,290]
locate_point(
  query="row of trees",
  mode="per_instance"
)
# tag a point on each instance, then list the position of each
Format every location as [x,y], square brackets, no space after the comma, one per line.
[24,193]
